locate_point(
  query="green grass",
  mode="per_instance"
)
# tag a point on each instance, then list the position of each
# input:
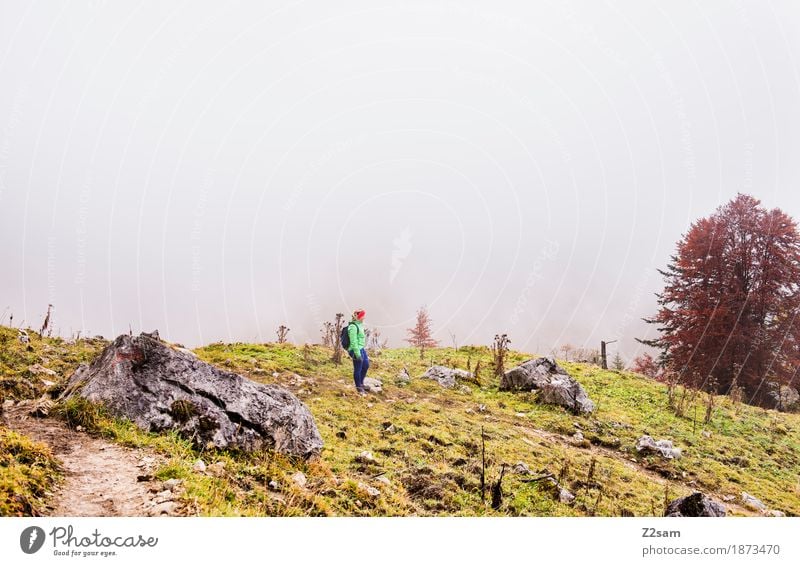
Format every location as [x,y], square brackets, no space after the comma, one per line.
[27,472]
[56,354]
[427,443]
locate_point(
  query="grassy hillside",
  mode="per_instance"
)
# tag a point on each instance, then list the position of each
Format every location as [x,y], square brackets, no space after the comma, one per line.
[426,441]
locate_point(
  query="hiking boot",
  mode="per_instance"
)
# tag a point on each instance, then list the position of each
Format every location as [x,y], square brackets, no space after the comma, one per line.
[361,391]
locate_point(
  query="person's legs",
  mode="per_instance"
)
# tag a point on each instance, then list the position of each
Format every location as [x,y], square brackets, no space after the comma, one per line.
[364,366]
[357,370]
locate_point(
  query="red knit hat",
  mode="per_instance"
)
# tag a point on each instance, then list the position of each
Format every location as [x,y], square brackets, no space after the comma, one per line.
[360,314]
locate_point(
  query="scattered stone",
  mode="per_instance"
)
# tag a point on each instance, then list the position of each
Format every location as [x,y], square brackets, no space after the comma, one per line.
[172,483]
[164,508]
[365,457]
[368,489]
[554,384]
[159,388]
[706,434]
[445,376]
[565,496]
[753,502]
[520,414]
[647,445]
[39,370]
[775,513]
[299,478]
[144,477]
[273,485]
[384,480]
[481,408]
[695,505]
[521,468]
[727,498]
[403,378]
[559,492]
[199,466]
[373,385]
[41,408]
[23,337]
[217,468]
[165,495]
[464,389]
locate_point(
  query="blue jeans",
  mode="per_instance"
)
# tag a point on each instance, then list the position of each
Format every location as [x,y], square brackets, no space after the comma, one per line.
[360,368]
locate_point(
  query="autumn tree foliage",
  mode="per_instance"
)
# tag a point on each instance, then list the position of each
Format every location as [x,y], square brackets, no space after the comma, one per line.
[421,335]
[646,364]
[728,311]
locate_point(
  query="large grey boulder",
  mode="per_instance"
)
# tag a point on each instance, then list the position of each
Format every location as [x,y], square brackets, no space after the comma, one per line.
[160,388]
[554,384]
[445,376]
[695,505]
[648,445]
[782,397]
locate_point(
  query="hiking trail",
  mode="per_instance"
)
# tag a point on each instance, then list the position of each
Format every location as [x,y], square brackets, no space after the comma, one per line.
[100,478]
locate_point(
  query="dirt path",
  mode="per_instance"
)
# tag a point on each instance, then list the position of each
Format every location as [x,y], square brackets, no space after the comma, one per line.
[100,478]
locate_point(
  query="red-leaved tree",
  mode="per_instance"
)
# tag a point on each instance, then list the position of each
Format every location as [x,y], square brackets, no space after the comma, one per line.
[421,336]
[646,364]
[728,312]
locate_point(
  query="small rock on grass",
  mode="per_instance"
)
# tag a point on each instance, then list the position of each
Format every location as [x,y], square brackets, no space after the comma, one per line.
[521,468]
[368,489]
[217,468]
[199,466]
[753,502]
[299,478]
[366,457]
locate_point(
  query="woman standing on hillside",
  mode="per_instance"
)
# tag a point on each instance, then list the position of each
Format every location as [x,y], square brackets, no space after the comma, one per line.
[357,350]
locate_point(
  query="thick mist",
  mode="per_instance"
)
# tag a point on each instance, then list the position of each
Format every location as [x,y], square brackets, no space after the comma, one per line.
[216,170]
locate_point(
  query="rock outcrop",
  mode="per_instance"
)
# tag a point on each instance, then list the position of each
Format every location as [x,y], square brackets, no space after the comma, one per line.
[445,376]
[695,505]
[160,388]
[372,385]
[782,397]
[554,384]
[752,502]
[648,445]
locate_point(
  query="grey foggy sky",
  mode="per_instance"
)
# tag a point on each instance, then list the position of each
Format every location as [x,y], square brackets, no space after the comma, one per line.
[216,170]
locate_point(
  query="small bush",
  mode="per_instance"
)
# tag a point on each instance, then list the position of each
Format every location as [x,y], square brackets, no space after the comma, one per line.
[27,471]
[78,411]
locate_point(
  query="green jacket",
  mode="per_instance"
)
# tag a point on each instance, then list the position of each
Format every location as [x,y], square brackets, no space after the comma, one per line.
[358,339]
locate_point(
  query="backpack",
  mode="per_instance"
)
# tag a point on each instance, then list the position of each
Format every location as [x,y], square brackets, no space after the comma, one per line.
[344,339]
